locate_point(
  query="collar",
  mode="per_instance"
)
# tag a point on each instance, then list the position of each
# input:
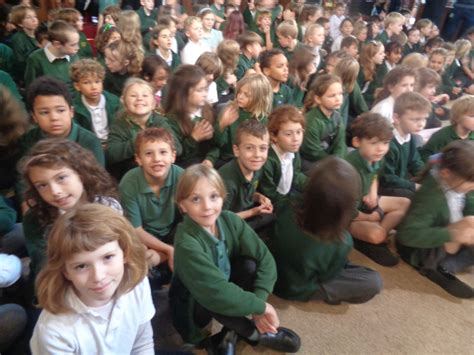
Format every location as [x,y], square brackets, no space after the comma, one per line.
[51,57]
[143,184]
[283,156]
[100,106]
[196,114]
[401,140]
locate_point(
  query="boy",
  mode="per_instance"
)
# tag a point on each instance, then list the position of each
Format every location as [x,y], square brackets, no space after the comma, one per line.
[350,45]
[413,42]
[195,47]
[94,108]
[336,19]
[242,175]
[376,216]
[219,14]
[437,61]
[251,47]
[424,25]
[274,66]
[56,58]
[264,29]
[462,127]
[403,161]
[393,25]
[147,193]
[52,111]
[314,39]
[281,174]
[287,34]
[148,15]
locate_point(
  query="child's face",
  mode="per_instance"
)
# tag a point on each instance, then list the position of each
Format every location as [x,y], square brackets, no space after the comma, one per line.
[375,29]
[425,31]
[264,21]
[379,56]
[139,100]
[353,51]
[53,115]
[289,137]
[285,42]
[362,36]
[428,91]
[198,94]
[204,204]
[407,84]
[394,57]
[155,157]
[97,274]
[251,152]
[80,23]
[172,28]
[91,87]
[278,69]
[456,183]
[164,40]
[436,62]
[410,122]
[450,58]
[71,47]
[397,27]
[60,187]
[371,149]
[347,28]
[109,19]
[434,32]
[414,37]
[243,97]
[208,21]
[332,99]
[148,4]
[194,31]
[331,64]
[254,49]
[113,62]
[339,11]
[467,122]
[30,21]
[317,37]
[160,79]
[289,15]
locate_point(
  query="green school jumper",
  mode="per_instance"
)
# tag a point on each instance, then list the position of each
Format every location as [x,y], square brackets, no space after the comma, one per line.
[284,96]
[7,81]
[271,176]
[302,260]
[7,58]
[147,21]
[323,136]
[425,224]
[239,190]
[218,12]
[22,45]
[114,82]
[414,48]
[401,162]
[202,270]
[157,215]
[83,117]
[85,49]
[35,242]
[7,216]
[383,37]
[81,136]
[353,102]
[243,65]
[439,140]
[368,87]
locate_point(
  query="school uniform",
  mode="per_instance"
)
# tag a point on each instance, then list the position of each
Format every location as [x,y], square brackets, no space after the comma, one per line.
[7,58]
[203,275]
[439,140]
[158,215]
[271,183]
[298,94]
[353,104]
[218,12]
[411,48]
[283,96]
[114,82]
[85,49]
[368,87]
[212,39]
[309,268]
[147,21]
[243,65]
[22,45]
[383,37]
[173,61]
[323,136]
[385,108]
[192,51]
[7,82]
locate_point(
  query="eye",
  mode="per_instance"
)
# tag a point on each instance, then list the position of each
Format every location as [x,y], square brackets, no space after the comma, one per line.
[195,199]
[109,257]
[215,196]
[62,177]
[40,186]
[80,267]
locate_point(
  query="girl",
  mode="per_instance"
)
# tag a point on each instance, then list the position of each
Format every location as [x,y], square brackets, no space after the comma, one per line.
[253,100]
[396,82]
[228,52]
[190,116]
[309,15]
[315,264]
[156,71]
[210,35]
[161,43]
[438,240]
[105,35]
[462,74]
[360,33]
[139,103]
[300,69]
[60,175]
[274,66]
[211,64]
[393,55]
[234,25]
[74,17]
[129,26]
[314,39]
[95,277]
[229,289]
[371,69]
[427,80]
[123,60]
[413,42]
[415,60]
[325,132]
[346,28]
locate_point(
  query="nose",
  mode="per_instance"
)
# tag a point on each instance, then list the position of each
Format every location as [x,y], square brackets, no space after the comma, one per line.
[55,189]
[98,273]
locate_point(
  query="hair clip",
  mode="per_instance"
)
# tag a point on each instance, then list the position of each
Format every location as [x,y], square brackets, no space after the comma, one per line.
[435,158]
[107,27]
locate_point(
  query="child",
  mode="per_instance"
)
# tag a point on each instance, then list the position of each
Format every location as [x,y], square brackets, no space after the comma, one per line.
[309,15]
[424,25]
[56,57]
[95,270]
[228,288]
[325,133]
[301,68]
[274,66]
[314,39]
[52,111]
[287,33]
[161,43]
[105,35]
[74,17]
[336,19]
[147,193]
[156,71]
[123,60]
[413,43]
[264,29]
[377,215]
[360,33]
[94,108]
[195,46]
[461,128]
[403,162]
[60,175]
[436,235]
[415,60]
[281,174]
[211,37]
[228,52]
[242,175]
[190,116]
[395,83]
[138,113]
[23,42]
[217,9]
[253,100]
[251,46]
[129,27]
[148,15]
[393,25]
[350,45]
[371,70]
[211,64]
[315,265]
[345,28]
[234,25]
[393,55]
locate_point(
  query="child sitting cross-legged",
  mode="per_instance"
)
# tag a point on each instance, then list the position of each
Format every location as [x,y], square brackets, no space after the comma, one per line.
[376,216]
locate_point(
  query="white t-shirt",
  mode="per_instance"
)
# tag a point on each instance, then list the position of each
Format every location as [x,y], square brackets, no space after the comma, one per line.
[192,51]
[385,108]
[86,331]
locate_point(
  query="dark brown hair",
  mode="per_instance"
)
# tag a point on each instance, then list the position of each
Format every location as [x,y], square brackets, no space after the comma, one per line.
[370,125]
[250,127]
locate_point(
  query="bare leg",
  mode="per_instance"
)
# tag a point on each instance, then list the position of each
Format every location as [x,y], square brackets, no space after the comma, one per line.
[394,209]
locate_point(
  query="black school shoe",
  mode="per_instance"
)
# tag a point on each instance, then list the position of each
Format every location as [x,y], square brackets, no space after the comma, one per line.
[285,341]
[448,282]
[380,253]
[222,343]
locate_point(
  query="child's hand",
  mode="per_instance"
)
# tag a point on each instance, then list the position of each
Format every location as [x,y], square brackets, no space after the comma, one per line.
[463,231]
[207,163]
[267,322]
[441,99]
[370,201]
[456,91]
[170,255]
[231,79]
[228,116]
[439,111]
[266,29]
[202,131]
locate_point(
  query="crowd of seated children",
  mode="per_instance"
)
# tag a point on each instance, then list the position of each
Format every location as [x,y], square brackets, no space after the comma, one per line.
[217,124]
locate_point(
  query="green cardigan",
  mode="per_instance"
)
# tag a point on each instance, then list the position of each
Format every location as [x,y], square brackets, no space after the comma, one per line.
[197,277]
[370,86]
[22,45]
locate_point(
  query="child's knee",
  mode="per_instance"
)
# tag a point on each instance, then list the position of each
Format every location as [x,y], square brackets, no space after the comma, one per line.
[377,235]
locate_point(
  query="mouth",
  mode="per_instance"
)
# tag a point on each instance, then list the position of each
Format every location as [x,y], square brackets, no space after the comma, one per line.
[101,288]
[63,201]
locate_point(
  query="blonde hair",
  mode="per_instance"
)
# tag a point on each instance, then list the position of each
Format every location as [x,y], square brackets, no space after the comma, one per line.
[393,17]
[261,102]
[129,27]
[310,30]
[461,107]
[190,177]
[287,28]
[135,81]
[127,51]
[18,14]
[462,47]
[190,21]
[87,228]
[359,27]
[347,69]
[228,51]
[415,60]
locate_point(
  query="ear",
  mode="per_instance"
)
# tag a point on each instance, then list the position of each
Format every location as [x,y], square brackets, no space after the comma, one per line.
[317,99]
[76,86]
[356,142]
[266,71]
[396,118]
[66,275]
[126,62]
[138,160]
[236,150]
[71,108]
[182,208]
[273,138]
[173,156]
